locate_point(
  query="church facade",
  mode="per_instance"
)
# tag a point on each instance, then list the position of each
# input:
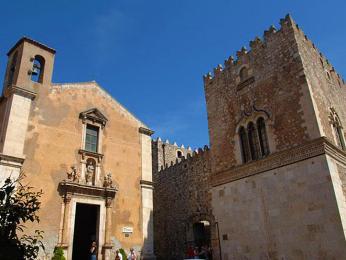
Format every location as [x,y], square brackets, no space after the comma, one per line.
[89,155]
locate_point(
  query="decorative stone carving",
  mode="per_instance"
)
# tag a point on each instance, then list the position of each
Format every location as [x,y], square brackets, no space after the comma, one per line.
[109,201]
[73,175]
[251,112]
[334,118]
[90,172]
[94,115]
[67,198]
[107,181]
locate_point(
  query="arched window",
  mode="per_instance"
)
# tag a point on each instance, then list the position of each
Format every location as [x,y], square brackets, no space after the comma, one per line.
[262,134]
[243,74]
[253,141]
[12,69]
[37,69]
[244,145]
[328,75]
[339,134]
[179,154]
[337,127]
[321,62]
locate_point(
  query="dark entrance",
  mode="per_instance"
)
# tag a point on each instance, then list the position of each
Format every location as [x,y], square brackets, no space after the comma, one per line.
[85,230]
[201,233]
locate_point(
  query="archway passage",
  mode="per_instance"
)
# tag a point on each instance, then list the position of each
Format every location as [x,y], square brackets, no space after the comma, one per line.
[85,230]
[201,233]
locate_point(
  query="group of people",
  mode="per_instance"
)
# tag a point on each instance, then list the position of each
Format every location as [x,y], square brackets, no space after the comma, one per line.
[203,252]
[118,256]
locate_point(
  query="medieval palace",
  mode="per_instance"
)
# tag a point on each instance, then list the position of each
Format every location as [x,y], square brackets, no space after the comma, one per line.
[270,185]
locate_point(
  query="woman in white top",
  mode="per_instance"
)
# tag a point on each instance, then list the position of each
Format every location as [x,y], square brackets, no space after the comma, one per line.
[132,255]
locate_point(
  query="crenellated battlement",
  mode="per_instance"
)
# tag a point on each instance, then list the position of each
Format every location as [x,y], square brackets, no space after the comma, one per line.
[324,61]
[174,155]
[174,144]
[198,154]
[256,45]
[260,46]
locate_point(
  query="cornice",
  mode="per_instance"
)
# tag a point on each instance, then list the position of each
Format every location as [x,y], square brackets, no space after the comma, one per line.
[82,189]
[308,150]
[94,115]
[12,161]
[146,131]
[146,184]
[85,153]
[19,91]
[335,152]
[38,44]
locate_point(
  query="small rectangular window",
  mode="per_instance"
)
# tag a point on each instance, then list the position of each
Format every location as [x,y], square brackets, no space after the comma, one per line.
[91,138]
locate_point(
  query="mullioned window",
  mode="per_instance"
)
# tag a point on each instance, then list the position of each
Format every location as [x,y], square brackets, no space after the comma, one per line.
[254,141]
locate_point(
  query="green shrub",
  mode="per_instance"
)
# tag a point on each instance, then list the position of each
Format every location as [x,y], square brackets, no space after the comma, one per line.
[58,254]
[122,252]
[19,204]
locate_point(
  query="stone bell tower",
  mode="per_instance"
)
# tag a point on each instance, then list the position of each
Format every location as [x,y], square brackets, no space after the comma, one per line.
[29,68]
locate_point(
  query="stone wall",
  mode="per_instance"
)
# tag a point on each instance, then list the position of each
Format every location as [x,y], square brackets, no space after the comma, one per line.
[166,153]
[326,85]
[181,198]
[289,204]
[329,96]
[284,213]
[274,89]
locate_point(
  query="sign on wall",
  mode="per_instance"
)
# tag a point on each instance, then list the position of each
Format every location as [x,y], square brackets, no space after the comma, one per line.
[128,230]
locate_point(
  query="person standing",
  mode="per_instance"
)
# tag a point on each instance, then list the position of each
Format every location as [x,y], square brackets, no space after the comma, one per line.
[118,256]
[190,253]
[132,255]
[93,251]
[196,253]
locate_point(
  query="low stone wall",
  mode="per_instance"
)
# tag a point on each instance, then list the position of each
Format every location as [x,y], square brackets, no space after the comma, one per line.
[181,198]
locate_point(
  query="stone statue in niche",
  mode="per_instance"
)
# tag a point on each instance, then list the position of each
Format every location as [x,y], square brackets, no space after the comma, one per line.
[73,175]
[107,181]
[90,173]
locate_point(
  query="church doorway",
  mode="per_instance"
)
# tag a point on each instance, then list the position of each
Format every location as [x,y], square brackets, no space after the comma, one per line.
[85,229]
[201,233]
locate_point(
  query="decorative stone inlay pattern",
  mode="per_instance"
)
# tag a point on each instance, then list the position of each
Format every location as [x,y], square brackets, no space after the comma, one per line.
[311,149]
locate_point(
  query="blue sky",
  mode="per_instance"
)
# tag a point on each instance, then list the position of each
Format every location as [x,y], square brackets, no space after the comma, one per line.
[151,55]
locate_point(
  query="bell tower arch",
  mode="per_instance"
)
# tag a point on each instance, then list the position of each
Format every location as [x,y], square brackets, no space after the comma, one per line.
[29,68]
[29,63]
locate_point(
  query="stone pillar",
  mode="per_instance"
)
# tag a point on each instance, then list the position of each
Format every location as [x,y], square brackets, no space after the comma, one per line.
[61,227]
[13,129]
[83,170]
[65,230]
[98,181]
[107,247]
[147,195]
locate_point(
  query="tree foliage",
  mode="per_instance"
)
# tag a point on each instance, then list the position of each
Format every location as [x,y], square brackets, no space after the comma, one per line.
[122,252]
[58,254]
[19,204]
